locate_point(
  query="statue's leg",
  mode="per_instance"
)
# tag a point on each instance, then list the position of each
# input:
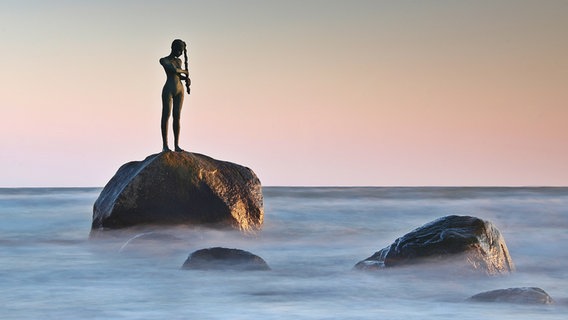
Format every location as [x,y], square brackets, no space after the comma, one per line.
[166,110]
[178,102]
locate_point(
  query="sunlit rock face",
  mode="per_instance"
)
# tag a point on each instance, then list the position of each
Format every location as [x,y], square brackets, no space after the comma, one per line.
[525,295]
[180,188]
[467,242]
[224,259]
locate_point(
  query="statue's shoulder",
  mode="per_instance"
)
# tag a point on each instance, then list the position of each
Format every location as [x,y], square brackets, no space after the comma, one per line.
[170,61]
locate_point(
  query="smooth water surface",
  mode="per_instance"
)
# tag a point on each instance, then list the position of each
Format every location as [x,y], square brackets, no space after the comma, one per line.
[312,237]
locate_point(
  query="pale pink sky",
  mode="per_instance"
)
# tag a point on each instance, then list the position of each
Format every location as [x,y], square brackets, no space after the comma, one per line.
[374,93]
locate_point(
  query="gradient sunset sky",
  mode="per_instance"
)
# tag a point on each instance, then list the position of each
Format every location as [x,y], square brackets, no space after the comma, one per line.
[306,93]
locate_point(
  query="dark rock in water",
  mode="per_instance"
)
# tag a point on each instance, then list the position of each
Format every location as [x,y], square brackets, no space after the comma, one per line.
[475,242]
[224,259]
[180,188]
[526,295]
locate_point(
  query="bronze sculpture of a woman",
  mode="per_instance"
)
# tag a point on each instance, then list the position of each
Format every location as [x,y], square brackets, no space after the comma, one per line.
[172,93]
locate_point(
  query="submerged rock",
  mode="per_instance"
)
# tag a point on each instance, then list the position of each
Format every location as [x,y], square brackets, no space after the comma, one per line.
[224,259]
[151,242]
[180,188]
[476,243]
[525,295]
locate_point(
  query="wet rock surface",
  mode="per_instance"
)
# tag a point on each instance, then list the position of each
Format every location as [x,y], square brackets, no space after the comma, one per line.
[524,295]
[180,188]
[476,243]
[224,259]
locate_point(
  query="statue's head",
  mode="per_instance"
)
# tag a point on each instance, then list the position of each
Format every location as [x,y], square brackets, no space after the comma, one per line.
[178,46]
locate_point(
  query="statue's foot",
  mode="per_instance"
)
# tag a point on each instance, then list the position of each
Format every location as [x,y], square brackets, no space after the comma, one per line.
[166,149]
[178,149]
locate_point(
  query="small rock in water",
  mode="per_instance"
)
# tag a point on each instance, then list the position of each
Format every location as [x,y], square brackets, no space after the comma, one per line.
[473,242]
[224,259]
[525,295]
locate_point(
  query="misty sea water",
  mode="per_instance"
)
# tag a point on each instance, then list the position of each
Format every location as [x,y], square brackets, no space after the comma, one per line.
[311,239]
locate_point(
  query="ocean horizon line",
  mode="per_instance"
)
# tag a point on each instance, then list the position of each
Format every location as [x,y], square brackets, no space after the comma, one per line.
[333,186]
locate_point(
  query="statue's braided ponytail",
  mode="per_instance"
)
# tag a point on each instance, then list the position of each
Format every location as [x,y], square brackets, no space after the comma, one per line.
[187,81]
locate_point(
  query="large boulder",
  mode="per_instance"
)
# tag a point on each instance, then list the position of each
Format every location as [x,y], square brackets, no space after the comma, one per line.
[475,243]
[180,188]
[524,295]
[224,259]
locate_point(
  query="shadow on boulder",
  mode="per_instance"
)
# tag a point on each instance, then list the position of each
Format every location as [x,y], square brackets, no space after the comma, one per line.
[476,243]
[224,259]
